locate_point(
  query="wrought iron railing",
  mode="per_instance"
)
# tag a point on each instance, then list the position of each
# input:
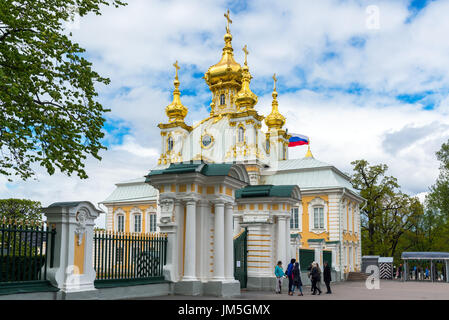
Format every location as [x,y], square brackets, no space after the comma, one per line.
[24,250]
[129,256]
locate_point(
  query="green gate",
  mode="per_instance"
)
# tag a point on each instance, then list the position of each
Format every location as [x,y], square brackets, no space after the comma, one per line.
[327,256]
[306,257]
[240,258]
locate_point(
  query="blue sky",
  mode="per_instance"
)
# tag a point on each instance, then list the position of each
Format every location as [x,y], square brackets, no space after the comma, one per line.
[357,90]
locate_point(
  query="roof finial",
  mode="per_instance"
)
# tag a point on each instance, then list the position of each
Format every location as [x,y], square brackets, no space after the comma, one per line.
[245,50]
[275,120]
[176,111]
[228,18]
[309,153]
[177,67]
[275,80]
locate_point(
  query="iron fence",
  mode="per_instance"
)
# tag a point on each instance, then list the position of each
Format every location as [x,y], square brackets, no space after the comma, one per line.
[125,257]
[24,249]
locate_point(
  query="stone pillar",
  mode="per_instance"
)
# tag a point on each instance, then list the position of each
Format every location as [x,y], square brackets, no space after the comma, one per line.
[203,210]
[228,242]
[237,227]
[190,243]
[73,269]
[287,240]
[219,246]
[179,220]
[281,252]
[168,224]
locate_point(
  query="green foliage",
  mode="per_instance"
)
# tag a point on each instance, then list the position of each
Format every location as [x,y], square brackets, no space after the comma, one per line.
[388,213]
[48,109]
[20,209]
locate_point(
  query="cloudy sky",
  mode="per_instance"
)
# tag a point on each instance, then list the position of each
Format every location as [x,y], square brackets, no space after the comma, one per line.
[363,79]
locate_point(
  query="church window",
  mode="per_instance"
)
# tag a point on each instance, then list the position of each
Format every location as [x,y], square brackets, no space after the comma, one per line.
[153,222]
[137,223]
[318,218]
[267,145]
[241,134]
[170,144]
[294,221]
[121,223]
[222,99]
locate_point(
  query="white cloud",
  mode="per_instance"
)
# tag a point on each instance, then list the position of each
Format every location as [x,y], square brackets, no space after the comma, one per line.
[308,44]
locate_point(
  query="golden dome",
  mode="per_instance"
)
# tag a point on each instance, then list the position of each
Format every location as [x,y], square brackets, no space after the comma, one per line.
[275,120]
[176,111]
[227,69]
[245,97]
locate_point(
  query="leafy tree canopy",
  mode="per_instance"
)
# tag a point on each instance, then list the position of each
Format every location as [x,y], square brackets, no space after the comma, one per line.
[48,109]
[20,209]
[388,213]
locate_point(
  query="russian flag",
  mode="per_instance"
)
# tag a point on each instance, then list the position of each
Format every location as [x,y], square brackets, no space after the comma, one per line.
[298,140]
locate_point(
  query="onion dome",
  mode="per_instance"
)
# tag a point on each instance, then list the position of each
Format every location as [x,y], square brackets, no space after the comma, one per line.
[245,98]
[275,120]
[176,111]
[227,69]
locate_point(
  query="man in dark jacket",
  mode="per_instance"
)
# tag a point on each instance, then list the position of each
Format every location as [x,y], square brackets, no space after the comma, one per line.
[316,277]
[327,277]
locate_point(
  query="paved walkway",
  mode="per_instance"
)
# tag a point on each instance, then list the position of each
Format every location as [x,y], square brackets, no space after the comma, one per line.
[389,290]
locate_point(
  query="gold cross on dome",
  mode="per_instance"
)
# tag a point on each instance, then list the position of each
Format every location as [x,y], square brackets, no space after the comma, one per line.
[275,79]
[177,68]
[229,21]
[246,54]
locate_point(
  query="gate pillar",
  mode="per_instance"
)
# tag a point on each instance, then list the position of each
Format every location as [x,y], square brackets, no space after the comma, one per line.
[73,269]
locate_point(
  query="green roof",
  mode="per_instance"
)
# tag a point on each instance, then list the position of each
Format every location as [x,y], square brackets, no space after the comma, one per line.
[261,191]
[213,169]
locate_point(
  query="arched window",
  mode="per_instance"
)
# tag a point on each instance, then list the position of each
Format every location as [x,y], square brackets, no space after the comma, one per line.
[222,99]
[241,134]
[120,223]
[294,221]
[267,145]
[318,218]
[153,222]
[170,144]
[137,223]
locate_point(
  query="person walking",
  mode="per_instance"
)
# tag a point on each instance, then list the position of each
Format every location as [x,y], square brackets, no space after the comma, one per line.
[296,275]
[427,273]
[279,273]
[309,274]
[316,277]
[289,275]
[327,277]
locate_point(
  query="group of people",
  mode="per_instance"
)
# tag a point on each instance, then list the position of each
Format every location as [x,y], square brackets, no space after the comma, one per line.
[421,273]
[293,273]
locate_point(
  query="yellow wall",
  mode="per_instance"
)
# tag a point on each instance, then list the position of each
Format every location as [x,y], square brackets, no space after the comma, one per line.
[306,234]
[128,219]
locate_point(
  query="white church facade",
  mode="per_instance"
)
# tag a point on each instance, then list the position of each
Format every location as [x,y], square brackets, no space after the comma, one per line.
[224,176]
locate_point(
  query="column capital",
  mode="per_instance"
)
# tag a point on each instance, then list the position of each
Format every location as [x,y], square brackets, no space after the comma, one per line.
[190,200]
[218,203]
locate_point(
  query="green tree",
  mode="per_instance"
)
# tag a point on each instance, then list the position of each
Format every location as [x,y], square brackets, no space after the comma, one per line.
[388,213]
[20,209]
[438,198]
[48,109]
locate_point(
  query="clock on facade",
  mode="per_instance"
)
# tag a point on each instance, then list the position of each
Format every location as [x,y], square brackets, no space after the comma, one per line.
[206,141]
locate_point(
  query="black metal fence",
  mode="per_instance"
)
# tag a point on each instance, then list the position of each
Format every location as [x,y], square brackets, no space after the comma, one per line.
[125,257]
[24,247]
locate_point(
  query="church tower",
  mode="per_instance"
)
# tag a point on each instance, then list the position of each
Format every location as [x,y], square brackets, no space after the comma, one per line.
[175,131]
[277,137]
